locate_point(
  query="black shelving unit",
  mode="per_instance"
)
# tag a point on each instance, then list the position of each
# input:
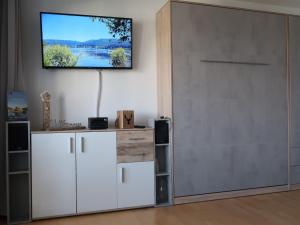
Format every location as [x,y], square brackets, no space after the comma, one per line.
[18,175]
[163,162]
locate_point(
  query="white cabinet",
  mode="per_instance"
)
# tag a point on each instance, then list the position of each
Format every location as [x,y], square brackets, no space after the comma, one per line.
[77,172]
[53,175]
[96,171]
[73,173]
[135,184]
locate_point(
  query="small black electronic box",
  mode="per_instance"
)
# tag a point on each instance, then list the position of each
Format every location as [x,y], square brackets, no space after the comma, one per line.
[97,123]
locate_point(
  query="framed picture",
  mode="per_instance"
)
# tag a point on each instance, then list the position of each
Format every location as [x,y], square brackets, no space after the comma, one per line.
[17,106]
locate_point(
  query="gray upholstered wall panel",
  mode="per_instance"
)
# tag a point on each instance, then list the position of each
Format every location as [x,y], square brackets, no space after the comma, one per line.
[295,78]
[230,120]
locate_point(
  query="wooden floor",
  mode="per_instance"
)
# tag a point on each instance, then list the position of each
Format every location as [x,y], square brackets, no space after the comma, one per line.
[271,209]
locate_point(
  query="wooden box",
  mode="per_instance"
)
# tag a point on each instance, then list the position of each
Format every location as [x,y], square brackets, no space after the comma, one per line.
[125,119]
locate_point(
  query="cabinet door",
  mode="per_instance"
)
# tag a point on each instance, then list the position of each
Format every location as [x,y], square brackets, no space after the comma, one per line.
[96,171]
[53,175]
[135,184]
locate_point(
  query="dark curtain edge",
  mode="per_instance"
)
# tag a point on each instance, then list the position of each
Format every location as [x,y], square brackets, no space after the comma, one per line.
[3,93]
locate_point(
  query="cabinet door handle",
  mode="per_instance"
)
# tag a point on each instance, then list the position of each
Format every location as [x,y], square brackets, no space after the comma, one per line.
[82,144]
[136,139]
[122,175]
[71,145]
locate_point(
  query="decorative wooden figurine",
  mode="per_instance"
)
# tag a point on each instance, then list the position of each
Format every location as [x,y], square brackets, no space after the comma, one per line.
[125,119]
[46,97]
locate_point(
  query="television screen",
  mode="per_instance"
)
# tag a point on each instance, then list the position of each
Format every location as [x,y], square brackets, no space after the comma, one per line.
[80,41]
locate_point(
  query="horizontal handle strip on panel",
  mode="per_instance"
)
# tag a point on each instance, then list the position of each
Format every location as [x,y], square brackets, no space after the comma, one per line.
[136,139]
[236,62]
[295,166]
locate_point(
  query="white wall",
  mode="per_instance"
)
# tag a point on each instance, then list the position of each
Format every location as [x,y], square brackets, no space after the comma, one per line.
[74,91]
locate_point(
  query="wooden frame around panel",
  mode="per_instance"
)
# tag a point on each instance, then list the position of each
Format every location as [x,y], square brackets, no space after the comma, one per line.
[165,101]
[164,60]
[289,96]
[231,7]
[164,75]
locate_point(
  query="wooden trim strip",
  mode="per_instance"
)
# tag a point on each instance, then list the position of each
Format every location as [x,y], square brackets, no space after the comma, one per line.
[294,187]
[232,7]
[172,108]
[289,97]
[164,58]
[231,194]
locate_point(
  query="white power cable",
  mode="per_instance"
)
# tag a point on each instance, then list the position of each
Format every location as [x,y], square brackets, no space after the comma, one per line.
[99,93]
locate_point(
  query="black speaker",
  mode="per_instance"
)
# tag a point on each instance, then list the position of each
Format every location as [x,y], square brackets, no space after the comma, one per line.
[161,132]
[17,136]
[97,123]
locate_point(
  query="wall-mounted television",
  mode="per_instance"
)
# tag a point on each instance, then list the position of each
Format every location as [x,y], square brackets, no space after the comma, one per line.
[85,42]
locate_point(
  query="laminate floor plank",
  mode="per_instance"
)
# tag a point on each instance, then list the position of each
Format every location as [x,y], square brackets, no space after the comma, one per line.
[270,209]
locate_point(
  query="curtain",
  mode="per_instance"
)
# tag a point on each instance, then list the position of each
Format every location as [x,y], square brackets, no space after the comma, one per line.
[3,91]
[18,68]
[15,76]
[11,78]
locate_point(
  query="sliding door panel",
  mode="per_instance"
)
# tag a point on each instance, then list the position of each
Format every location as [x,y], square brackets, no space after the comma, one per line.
[229,99]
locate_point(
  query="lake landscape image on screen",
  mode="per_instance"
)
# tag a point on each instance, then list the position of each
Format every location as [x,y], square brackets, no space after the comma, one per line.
[86,41]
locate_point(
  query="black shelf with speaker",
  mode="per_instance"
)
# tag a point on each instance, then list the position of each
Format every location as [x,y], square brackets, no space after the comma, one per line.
[163,162]
[18,172]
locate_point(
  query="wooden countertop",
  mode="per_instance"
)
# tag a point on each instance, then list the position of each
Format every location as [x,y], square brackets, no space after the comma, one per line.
[87,130]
